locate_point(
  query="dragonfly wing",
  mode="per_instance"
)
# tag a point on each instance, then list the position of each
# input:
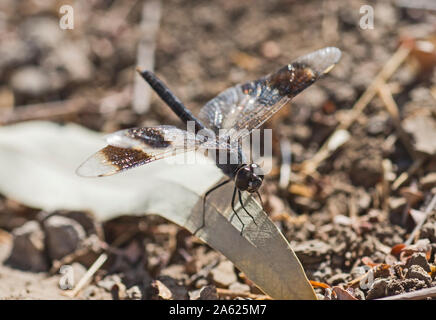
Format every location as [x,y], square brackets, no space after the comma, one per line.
[130,148]
[242,108]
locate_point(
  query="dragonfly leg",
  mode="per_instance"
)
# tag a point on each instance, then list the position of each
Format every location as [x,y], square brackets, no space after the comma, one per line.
[260,199]
[203,223]
[243,207]
[234,211]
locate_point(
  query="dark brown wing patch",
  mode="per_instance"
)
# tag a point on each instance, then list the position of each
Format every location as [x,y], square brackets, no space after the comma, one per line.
[149,136]
[292,79]
[137,146]
[123,158]
[244,107]
[111,159]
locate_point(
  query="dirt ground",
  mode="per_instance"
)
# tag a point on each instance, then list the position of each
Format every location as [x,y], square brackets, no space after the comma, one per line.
[367,208]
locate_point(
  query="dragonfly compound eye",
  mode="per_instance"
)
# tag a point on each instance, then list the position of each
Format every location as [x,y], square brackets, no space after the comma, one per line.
[247,179]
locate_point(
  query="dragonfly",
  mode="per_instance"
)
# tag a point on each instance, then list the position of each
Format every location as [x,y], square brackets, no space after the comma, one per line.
[228,118]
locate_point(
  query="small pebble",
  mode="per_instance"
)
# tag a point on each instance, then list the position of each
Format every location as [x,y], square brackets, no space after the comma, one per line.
[28,250]
[223,275]
[417,272]
[31,81]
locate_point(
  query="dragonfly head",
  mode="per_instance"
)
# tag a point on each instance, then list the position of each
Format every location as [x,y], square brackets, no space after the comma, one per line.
[249,177]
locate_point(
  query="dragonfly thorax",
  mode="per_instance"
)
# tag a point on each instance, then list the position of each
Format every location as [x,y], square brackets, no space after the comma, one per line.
[249,177]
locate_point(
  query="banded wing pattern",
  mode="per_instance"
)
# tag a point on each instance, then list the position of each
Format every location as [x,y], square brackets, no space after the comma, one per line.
[137,146]
[245,107]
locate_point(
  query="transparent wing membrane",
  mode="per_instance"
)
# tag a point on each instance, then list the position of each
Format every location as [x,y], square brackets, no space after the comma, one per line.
[247,106]
[137,146]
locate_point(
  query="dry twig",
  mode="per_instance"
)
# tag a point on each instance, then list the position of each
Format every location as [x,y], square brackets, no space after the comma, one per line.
[415,295]
[88,275]
[42,111]
[151,13]
[405,175]
[418,227]
[232,294]
[391,106]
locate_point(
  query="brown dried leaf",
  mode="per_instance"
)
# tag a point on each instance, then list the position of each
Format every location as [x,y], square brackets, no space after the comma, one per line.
[261,252]
[342,294]
[422,245]
[396,249]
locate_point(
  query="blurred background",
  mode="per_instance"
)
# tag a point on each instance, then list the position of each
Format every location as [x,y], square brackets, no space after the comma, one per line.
[358,203]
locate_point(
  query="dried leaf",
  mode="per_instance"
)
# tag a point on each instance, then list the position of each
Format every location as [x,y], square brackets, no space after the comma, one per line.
[418,216]
[396,250]
[423,130]
[422,245]
[424,53]
[342,294]
[37,168]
